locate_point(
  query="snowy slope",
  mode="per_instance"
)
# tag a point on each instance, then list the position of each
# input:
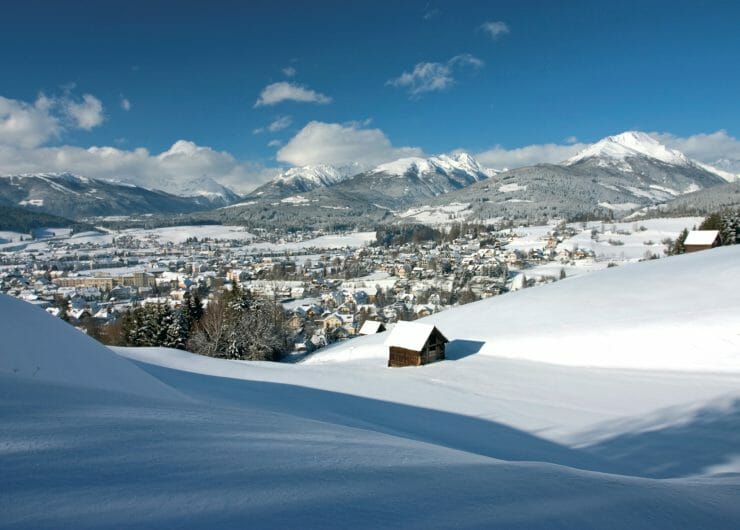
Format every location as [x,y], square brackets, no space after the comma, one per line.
[35,345]
[670,314]
[478,440]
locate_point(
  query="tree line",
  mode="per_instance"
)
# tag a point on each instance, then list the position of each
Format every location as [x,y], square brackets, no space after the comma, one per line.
[234,325]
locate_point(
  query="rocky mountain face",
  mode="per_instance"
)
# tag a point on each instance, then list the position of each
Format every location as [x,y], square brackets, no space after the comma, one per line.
[74,197]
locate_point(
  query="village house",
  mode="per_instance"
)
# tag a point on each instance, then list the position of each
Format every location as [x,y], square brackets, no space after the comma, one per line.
[415,344]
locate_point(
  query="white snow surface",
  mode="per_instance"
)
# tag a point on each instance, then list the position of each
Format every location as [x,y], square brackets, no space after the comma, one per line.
[482,439]
[35,345]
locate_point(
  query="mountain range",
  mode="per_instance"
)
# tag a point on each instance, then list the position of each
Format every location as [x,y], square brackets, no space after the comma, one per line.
[612,177]
[74,196]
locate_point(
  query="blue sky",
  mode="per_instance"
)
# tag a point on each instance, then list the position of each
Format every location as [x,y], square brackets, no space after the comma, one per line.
[405,77]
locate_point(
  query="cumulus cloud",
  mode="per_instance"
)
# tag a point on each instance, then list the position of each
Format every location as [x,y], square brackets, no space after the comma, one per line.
[26,127]
[289,71]
[717,148]
[32,124]
[431,77]
[274,143]
[169,170]
[284,91]
[125,104]
[495,29]
[85,114]
[501,158]
[341,144]
[27,124]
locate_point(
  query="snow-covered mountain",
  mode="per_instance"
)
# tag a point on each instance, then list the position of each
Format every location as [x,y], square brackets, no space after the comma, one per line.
[303,179]
[614,176]
[74,196]
[621,150]
[204,187]
[327,196]
[458,165]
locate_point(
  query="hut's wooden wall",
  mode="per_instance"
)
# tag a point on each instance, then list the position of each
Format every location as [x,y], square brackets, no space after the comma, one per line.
[403,357]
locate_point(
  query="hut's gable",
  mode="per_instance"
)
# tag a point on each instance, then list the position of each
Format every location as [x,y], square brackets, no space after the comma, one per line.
[414,344]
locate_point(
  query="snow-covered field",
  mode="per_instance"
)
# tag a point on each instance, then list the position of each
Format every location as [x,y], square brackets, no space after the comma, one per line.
[9,241]
[610,400]
[615,243]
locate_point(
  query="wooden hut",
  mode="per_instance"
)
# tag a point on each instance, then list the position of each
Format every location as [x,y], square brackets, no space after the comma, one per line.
[371,327]
[414,344]
[701,240]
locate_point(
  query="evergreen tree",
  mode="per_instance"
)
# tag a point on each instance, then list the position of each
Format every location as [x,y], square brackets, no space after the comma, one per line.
[678,246]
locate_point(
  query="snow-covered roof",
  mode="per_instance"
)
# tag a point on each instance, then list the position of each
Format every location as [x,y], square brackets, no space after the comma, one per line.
[409,335]
[370,327]
[701,237]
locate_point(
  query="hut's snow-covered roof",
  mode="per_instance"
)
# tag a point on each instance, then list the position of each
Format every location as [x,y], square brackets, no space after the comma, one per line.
[701,237]
[370,327]
[409,335]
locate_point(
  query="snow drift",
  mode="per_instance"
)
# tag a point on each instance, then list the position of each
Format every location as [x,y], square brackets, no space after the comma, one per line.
[36,345]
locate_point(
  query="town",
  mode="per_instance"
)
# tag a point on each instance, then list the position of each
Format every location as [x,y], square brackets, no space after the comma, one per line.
[327,284]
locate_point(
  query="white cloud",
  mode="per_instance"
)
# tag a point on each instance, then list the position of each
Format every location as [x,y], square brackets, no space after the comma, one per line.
[337,144]
[501,158]
[125,104]
[27,124]
[274,143]
[280,123]
[718,148]
[85,114]
[289,71]
[431,77]
[26,127]
[571,140]
[170,170]
[495,29]
[283,91]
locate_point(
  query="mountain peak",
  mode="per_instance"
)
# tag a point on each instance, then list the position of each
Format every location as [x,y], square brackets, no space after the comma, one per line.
[630,144]
[460,162]
[309,177]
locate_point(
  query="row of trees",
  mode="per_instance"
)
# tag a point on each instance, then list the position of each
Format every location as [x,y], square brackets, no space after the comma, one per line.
[235,325]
